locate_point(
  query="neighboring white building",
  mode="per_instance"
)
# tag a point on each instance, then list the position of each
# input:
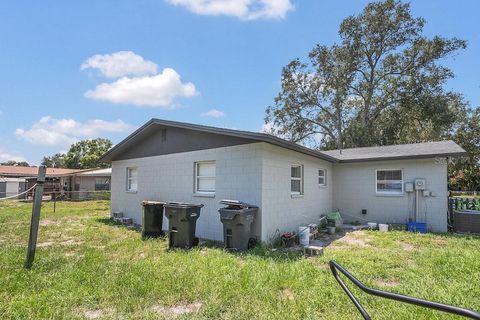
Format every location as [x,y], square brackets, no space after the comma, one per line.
[83,184]
[9,187]
[292,185]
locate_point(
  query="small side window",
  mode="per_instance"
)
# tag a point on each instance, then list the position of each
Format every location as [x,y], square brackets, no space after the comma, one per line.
[296,179]
[389,181]
[132,179]
[322,177]
[205,177]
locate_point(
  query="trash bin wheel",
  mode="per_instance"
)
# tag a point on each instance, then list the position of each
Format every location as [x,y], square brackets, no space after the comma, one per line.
[252,242]
[195,241]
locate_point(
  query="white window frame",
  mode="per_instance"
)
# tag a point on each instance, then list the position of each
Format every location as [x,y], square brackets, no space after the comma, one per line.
[198,178]
[296,193]
[129,179]
[387,193]
[324,184]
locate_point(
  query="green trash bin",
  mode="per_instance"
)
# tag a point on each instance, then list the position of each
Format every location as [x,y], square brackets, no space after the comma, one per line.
[152,219]
[182,221]
[237,218]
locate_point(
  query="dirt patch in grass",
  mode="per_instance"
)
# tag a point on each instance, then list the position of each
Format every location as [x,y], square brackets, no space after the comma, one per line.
[355,238]
[49,222]
[440,242]
[405,245]
[66,242]
[387,283]
[45,244]
[71,242]
[93,314]
[287,294]
[97,313]
[177,310]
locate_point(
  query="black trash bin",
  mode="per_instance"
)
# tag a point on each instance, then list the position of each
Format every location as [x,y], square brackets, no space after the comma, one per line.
[152,219]
[182,221]
[237,218]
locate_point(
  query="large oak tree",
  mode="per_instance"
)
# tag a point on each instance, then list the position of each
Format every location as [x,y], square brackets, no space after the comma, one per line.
[381,84]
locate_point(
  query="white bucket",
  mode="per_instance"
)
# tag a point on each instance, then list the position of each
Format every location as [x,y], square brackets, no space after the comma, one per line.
[383,227]
[304,235]
[372,225]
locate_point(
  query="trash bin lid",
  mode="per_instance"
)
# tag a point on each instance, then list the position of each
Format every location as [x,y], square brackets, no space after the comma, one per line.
[182,205]
[147,202]
[238,204]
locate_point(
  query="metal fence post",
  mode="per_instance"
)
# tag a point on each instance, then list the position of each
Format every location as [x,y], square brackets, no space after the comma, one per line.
[36,207]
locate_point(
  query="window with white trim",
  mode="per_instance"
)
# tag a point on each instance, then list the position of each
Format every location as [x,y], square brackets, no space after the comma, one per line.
[389,181]
[205,177]
[132,179]
[296,179]
[322,177]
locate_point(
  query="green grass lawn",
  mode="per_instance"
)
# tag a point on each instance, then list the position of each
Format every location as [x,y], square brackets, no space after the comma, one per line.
[86,267]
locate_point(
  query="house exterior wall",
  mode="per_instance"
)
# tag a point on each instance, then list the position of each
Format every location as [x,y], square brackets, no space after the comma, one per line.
[171,178]
[280,209]
[259,173]
[355,189]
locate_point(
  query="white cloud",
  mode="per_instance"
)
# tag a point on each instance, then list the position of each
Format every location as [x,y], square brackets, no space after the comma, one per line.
[6,156]
[119,64]
[214,113]
[151,91]
[51,131]
[242,9]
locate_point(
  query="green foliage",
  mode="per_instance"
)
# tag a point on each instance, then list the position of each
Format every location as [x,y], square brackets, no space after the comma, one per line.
[85,154]
[55,161]
[84,264]
[15,163]
[381,84]
[465,172]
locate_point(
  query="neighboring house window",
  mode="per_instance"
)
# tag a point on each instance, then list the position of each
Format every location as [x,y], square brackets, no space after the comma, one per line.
[322,177]
[132,179]
[296,179]
[389,181]
[205,177]
[102,184]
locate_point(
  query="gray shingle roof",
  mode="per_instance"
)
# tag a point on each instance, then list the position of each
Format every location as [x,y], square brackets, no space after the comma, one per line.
[404,151]
[401,151]
[254,136]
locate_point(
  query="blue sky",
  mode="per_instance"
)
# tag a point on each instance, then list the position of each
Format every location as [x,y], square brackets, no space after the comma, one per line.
[79,69]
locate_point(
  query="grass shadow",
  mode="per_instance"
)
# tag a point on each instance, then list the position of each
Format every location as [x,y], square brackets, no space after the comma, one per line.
[465,235]
[278,254]
[110,222]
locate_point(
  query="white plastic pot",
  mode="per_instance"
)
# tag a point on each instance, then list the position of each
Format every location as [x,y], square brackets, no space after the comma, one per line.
[372,225]
[304,235]
[383,227]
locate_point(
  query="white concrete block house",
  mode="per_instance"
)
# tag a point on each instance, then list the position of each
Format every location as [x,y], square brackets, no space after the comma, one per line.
[292,185]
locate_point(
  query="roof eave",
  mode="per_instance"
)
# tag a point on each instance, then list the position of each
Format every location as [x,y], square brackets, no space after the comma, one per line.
[440,155]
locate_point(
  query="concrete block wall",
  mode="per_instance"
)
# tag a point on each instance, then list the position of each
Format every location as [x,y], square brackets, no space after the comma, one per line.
[281,211]
[171,178]
[355,189]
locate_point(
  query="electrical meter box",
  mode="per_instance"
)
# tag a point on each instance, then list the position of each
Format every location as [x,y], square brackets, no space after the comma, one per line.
[420,184]
[408,187]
